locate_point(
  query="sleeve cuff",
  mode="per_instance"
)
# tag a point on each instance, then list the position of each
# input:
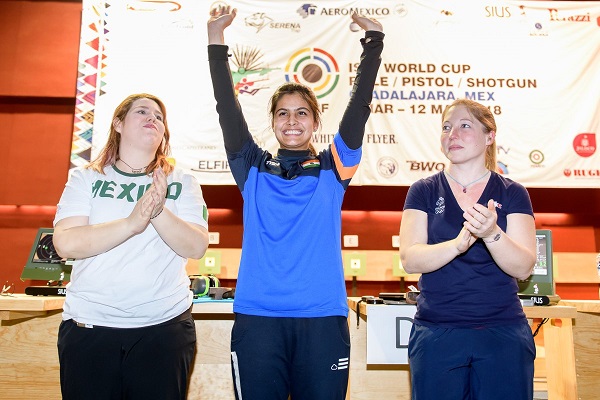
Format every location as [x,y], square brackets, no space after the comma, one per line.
[218,52]
[373,36]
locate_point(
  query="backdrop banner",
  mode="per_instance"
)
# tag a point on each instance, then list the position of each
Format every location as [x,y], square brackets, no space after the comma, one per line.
[535,64]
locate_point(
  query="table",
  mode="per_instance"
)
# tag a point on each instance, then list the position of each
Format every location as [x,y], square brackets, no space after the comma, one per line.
[29,366]
[586,336]
[29,361]
[558,343]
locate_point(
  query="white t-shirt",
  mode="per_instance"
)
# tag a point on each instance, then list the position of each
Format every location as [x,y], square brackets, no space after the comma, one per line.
[142,281]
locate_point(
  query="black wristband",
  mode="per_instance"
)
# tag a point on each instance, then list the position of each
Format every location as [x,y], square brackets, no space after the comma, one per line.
[158,213]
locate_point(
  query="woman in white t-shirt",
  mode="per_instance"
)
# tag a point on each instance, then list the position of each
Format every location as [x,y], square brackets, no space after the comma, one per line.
[130,220]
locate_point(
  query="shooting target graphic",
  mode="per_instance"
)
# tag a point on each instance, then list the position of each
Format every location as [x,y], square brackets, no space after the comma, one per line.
[314,68]
[45,251]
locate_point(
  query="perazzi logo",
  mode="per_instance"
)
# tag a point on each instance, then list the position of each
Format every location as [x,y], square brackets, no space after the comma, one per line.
[130,192]
[571,18]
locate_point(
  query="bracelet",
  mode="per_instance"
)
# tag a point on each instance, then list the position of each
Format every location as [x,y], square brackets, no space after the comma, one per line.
[494,239]
[158,213]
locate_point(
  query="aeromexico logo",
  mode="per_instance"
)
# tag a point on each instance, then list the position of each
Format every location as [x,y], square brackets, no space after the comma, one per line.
[130,192]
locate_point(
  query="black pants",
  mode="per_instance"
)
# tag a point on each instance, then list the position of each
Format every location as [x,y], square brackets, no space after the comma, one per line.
[127,364]
[272,358]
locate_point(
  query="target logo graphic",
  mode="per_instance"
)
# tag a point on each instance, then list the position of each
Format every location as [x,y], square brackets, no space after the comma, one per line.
[314,68]
[536,157]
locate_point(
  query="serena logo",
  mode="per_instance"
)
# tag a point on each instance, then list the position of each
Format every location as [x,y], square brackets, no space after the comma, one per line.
[314,68]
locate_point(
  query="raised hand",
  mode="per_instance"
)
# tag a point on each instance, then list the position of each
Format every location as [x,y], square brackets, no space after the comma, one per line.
[367,24]
[158,191]
[220,18]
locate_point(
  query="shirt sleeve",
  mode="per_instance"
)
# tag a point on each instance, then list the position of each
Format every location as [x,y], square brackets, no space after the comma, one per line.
[234,126]
[352,127]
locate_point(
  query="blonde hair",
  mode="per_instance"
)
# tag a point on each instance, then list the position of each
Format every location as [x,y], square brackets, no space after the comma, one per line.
[482,114]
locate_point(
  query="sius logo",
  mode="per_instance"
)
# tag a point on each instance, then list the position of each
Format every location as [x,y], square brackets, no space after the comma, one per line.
[498,12]
[306,10]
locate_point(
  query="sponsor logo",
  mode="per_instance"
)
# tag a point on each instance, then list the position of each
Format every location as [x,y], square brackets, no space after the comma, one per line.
[315,68]
[366,12]
[401,10]
[582,173]
[584,144]
[538,30]
[260,20]
[554,16]
[501,168]
[341,364]
[212,166]
[387,167]
[536,157]
[428,166]
[497,12]
[440,205]
[251,72]
[307,10]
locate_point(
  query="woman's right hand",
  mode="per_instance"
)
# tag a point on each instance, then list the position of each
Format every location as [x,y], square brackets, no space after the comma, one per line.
[143,210]
[220,18]
[464,240]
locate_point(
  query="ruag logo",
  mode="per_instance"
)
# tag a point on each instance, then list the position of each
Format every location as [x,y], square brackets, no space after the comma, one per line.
[315,68]
[584,144]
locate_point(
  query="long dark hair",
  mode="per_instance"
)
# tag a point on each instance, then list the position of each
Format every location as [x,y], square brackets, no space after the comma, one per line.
[306,93]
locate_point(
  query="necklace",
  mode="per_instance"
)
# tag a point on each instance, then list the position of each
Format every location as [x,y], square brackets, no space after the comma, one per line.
[134,170]
[464,187]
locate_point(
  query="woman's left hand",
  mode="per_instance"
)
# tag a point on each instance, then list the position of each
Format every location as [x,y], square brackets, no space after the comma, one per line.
[158,190]
[367,24]
[481,220]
